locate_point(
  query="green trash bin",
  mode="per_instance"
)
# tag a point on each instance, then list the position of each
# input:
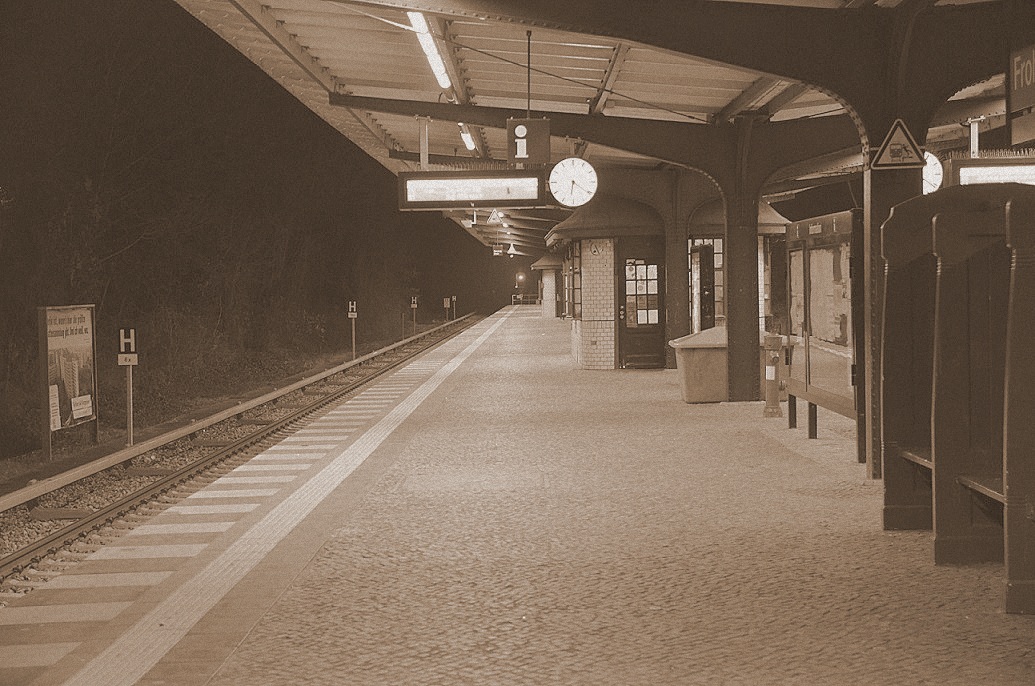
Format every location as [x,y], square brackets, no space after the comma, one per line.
[701,362]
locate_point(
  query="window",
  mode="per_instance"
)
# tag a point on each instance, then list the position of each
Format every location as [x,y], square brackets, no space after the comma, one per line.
[573,281]
[720,301]
[641,293]
[765,314]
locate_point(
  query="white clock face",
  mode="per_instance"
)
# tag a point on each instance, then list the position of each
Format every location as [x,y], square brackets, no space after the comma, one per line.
[573,182]
[932,173]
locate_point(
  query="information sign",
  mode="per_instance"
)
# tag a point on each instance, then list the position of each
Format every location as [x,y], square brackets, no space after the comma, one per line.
[528,141]
[465,189]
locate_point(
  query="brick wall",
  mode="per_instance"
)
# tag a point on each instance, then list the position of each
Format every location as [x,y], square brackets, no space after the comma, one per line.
[593,338]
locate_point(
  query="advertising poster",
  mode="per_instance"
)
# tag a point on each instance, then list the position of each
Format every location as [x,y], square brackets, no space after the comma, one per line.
[70,365]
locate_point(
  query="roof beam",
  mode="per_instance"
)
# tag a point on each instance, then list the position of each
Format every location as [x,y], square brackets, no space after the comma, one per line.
[785,97]
[847,51]
[962,111]
[692,146]
[260,16]
[439,33]
[614,67]
[747,99]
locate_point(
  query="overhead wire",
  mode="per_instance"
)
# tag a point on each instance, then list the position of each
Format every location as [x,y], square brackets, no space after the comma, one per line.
[450,41]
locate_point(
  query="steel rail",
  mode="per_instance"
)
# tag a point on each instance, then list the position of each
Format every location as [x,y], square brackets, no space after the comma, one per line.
[65,536]
[44,486]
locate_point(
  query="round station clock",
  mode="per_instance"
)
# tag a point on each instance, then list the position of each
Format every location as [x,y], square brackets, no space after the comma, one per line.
[573,182]
[932,173]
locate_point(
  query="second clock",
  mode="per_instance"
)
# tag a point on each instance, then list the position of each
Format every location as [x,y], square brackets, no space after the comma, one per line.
[573,182]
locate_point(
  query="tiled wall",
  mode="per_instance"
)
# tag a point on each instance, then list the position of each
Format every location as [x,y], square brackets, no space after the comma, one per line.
[593,338]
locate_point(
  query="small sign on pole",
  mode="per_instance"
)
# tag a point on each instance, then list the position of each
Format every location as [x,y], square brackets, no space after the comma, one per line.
[128,359]
[413,308]
[352,317]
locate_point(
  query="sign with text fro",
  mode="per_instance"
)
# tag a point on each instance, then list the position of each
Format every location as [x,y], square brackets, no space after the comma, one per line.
[1020,77]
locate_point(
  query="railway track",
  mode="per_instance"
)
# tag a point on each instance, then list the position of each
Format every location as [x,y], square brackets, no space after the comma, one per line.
[179,462]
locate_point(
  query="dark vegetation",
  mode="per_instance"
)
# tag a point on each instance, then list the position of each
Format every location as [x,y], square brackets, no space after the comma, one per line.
[148,168]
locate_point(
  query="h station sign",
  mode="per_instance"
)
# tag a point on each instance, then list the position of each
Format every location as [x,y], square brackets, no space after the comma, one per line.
[1020,77]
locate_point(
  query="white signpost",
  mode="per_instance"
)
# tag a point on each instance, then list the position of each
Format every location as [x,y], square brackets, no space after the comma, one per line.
[413,308]
[352,317]
[128,359]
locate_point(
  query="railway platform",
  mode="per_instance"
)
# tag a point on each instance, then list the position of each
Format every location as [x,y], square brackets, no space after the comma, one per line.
[490,514]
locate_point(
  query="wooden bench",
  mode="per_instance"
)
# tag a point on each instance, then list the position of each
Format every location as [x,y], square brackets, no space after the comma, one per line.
[963,460]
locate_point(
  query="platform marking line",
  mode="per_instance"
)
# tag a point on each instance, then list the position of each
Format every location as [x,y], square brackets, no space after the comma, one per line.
[182,528]
[146,552]
[286,478]
[107,580]
[272,467]
[311,448]
[142,646]
[274,457]
[234,493]
[34,654]
[312,441]
[53,614]
[211,509]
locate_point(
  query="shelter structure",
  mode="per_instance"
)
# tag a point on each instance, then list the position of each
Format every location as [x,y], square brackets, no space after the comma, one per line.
[683,105]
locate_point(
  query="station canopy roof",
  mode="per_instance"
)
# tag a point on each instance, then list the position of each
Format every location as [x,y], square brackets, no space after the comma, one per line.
[331,54]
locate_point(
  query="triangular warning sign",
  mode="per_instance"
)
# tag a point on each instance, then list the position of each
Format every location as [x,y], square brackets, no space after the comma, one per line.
[899,150]
[494,218]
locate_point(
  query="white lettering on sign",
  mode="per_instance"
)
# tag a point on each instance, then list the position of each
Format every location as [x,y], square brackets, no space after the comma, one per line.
[1021,72]
[413,302]
[127,341]
[352,306]
[82,406]
[1024,70]
[520,131]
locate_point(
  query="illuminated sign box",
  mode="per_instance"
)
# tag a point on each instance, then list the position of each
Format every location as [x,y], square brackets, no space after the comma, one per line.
[460,189]
[964,172]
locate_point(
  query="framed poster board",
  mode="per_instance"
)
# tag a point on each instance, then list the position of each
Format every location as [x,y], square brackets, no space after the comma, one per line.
[68,347]
[824,298]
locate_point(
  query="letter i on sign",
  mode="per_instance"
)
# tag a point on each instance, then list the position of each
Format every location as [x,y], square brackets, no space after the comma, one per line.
[521,142]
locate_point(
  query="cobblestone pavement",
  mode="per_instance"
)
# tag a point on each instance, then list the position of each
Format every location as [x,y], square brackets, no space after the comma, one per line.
[547,525]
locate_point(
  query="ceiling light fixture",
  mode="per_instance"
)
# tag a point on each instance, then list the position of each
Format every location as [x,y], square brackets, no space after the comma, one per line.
[465,134]
[427,42]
